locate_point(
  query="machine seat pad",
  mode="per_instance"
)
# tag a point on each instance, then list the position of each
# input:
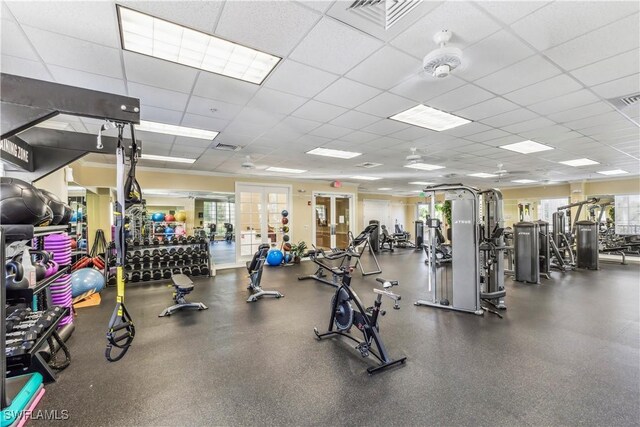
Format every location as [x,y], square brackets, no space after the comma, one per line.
[182,282]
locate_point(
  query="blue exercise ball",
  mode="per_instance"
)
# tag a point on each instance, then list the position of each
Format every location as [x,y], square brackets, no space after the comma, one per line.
[157,217]
[274,257]
[85,280]
[168,231]
[287,258]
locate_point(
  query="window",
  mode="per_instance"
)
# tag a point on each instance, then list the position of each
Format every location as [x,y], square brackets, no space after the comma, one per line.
[219,213]
[547,207]
[627,214]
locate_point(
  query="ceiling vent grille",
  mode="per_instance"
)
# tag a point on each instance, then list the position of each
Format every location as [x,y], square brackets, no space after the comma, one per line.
[631,99]
[383,12]
[226,147]
[368,165]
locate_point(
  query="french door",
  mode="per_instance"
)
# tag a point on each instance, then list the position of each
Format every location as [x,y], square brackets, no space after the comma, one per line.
[259,218]
[333,219]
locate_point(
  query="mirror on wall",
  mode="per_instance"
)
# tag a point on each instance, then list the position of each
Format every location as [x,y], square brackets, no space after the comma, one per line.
[77,199]
[215,216]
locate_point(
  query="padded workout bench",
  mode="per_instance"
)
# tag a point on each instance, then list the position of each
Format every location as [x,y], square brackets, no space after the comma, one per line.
[183,286]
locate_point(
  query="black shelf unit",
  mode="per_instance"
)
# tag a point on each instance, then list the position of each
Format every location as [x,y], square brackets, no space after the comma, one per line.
[203,260]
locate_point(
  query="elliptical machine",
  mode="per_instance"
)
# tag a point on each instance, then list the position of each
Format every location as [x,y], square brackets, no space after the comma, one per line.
[344,316]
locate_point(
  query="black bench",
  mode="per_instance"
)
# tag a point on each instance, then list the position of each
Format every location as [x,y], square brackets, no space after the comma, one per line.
[183,286]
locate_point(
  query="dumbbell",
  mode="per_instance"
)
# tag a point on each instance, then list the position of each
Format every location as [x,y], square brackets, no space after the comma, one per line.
[136,242]
[177,256]
[157,275]
[166,273]
[202,240]
[146,242]
[175,241]
[137,266]
[146,258]
[186,270]
[112,281]
[171,263]
[137,253]
[155,264]
[172,251]
[155,241]
[156,255]
[175,270]
[112,262]
[166,257]
[188,250]
[180,251]
[27,335]
[135,259]
[195,270]
[146,265]
[14,351]
[146,276]
[135,276]
[204,270]
[166,241]
[183,240]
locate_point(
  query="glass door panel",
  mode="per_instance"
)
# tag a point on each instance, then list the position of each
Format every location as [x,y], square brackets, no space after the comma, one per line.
[323,222]
[250,229]
[342,226]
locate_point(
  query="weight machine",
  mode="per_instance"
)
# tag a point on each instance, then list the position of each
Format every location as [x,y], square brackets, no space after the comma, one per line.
[562,241]
[477,261]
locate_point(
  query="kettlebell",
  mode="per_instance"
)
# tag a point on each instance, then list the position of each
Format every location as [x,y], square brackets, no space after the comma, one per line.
[14,276]
[41,269]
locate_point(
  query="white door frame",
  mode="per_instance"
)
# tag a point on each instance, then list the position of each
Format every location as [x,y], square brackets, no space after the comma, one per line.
[332,195]
[262,188]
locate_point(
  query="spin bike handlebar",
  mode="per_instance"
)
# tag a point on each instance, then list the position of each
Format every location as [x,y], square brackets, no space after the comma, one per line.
[387,283]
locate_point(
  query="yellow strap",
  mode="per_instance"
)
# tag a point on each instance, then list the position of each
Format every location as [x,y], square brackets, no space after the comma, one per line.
[120,286]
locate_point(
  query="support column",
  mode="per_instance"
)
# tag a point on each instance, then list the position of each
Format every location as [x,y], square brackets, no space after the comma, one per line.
[98,214]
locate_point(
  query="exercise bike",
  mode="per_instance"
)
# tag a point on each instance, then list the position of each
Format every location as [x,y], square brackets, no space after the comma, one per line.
[344,316]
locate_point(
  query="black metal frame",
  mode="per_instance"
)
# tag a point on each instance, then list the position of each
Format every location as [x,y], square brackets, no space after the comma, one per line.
[370,328]
[319,275]
[3,315]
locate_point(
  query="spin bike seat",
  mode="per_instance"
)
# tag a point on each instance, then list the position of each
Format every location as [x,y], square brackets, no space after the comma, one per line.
[338,271]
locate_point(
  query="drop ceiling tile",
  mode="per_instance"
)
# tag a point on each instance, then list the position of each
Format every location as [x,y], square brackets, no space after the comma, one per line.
[564,102]
[24,67]
[511,11]
[276,101]
[318,111]
[383,142]
[467,23]
[56,49]
[385,105]
[385,127]
[460,98]
[581,112]
[355,120]
[93,22]
[493,53]
[482,110]
[215,86]
[157,97]
[200,144]
[331,131]
[422,88]
[359,137]
[519,75]
[413,133]
[88,80]
[511,117]
[299,79]
[193,14]
[15,43]
[505,140]
[248,131]
[296,124]
[160,115]
[562,21]
[605,42]
[260,117]
[528,125]
[544,90]
[273,27]
[545,133]
[487,135]
[156,72]
[335,47]
[609,69]
[391,67]
[317,5]
[204,106]
[347,93]
[612,118]
[621,87]
[203,122]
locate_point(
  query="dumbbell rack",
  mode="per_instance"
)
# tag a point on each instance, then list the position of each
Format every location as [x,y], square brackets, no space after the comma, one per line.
[135,261]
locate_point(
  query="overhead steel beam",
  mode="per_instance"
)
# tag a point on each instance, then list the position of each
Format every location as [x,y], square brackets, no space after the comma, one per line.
[26,102]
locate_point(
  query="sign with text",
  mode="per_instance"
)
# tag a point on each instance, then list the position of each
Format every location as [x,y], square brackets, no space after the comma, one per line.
[17,152]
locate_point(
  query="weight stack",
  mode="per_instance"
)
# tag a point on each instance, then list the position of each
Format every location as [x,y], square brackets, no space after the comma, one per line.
[60,246]
[587,245]
[525,243]
[419,233]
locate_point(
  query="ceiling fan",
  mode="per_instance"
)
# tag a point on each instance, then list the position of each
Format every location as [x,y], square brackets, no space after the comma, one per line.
[414,157]
[248,164]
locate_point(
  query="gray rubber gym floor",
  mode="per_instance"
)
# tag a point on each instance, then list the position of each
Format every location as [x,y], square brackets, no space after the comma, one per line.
[566,353]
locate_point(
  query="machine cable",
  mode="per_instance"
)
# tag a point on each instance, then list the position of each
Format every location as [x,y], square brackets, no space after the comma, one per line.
[121,328]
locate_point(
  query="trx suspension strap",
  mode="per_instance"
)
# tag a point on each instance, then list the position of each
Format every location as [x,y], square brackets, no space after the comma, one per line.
[121,330]
[132,191]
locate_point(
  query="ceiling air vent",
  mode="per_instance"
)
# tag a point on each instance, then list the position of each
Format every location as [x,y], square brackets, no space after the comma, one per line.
[368,165]
[226,147]
[631,99]
[383,12]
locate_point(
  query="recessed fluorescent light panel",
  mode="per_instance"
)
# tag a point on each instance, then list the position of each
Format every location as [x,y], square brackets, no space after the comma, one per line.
[52,125]
[524,181]
[423,166]
[526,147]
[429,118]
[421,183]
[385,189]
[483,175]
[580,162]
[176,130]
[613,172]
[148,35]
[285,170]
[365,178]
[339,154]
[166,158]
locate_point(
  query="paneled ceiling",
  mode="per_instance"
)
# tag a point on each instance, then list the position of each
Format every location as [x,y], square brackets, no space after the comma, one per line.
[533,70]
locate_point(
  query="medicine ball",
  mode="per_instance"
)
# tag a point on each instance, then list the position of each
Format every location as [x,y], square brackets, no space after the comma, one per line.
[21,203]
[57,206]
